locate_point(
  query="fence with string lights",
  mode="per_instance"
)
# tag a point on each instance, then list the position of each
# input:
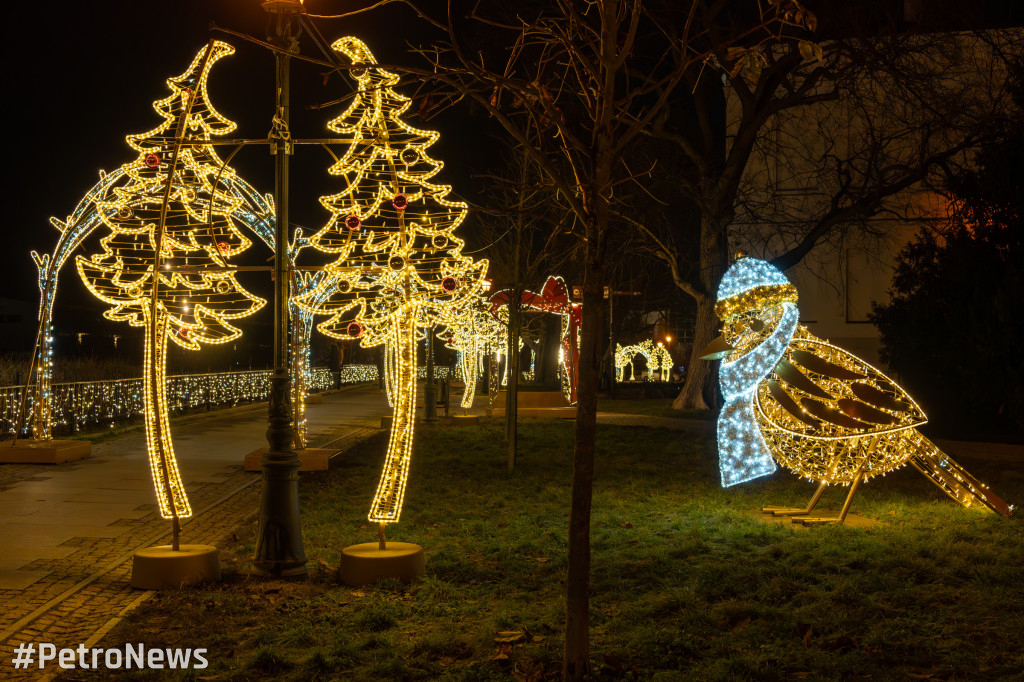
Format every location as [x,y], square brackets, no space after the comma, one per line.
[91,405]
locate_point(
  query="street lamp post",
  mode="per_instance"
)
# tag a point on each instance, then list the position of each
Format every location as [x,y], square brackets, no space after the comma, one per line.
[279,550]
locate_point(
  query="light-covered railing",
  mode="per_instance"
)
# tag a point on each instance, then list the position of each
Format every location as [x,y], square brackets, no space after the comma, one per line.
[100,404]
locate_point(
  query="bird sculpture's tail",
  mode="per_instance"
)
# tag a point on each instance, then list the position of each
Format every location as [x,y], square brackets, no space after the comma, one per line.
[954,480]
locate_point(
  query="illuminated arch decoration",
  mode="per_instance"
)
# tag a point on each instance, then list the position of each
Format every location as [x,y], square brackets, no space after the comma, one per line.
[250,209]
[318,287]
[554,298]
[164,265]
[658,359]
[813,407]
[398,263]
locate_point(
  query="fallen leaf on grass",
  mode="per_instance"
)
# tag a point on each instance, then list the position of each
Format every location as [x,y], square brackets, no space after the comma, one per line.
[543,559]
[627,524]
[503,652]
[320,560]
[805,633]
[739,623]
[509,636]
[357,593]
[536,638]
[841,643]
[613,662]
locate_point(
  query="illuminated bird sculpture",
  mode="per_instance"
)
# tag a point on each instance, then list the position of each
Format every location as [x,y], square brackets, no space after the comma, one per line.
[811,406]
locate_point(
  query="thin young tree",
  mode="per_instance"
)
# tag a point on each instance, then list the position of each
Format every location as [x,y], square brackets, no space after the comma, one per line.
[575,86]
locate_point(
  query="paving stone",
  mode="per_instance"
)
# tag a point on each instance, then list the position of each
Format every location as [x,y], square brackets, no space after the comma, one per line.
[72,553]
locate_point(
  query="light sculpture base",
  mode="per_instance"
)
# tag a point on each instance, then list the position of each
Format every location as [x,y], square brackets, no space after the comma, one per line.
[367,563]
[310,459]
[465,420]
[31,451]
[161,568]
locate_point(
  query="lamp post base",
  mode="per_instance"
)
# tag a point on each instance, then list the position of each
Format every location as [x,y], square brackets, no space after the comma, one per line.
[367,563]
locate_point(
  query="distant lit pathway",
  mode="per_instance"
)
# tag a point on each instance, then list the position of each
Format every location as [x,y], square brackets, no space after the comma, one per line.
[67,532]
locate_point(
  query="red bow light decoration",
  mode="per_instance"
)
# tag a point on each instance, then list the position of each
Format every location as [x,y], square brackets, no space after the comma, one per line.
[554,298]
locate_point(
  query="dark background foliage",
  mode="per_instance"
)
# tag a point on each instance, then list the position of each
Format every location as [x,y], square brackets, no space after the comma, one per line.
[953,328]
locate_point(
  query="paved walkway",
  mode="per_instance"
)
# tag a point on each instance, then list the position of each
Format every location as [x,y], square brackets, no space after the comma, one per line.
[67,533]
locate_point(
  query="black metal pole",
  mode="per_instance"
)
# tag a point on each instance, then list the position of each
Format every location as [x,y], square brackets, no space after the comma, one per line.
[429,390]
[279,550]
[611,343]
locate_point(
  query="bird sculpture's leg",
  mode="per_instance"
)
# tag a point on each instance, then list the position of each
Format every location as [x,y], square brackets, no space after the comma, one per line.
[809,520]
[796,511]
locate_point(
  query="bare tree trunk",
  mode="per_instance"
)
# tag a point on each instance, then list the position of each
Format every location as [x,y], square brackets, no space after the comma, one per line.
[699,374]
[699,390]
[512,368]
[577,622]
[576,660]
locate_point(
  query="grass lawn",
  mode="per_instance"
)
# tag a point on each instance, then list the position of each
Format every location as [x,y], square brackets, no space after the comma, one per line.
[651,407]
[688,581]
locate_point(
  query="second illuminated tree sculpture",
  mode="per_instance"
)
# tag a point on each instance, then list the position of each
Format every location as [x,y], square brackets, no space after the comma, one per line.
[164,263]
[397,261]
[813,407]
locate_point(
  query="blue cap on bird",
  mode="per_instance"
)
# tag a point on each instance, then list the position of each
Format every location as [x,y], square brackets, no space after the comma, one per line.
[751,284]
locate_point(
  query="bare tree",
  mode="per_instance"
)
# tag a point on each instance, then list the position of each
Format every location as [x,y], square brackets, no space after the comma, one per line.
[575,85]
[522,226]
[854,119]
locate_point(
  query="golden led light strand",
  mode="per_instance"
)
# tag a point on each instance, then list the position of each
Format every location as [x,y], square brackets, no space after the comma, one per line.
[164,263]
[658,359]
[397,261]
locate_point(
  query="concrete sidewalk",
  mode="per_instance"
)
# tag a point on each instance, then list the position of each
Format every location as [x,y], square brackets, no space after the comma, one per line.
[67,532]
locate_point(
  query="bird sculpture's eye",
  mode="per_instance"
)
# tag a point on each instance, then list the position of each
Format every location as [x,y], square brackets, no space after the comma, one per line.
[756,325]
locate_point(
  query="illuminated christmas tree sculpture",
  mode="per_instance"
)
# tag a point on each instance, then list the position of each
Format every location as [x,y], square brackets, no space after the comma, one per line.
[164,264]
[471,330]
[398,264]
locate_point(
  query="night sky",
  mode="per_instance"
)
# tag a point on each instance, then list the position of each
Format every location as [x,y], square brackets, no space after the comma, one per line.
[83,77]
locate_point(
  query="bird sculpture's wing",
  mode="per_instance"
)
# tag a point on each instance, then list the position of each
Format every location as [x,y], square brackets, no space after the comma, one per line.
[821,391]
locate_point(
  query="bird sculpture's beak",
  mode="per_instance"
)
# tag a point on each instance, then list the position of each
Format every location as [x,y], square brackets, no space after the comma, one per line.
[718,349]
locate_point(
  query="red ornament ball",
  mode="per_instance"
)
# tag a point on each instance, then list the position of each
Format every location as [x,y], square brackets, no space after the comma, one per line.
[153,160]
[449,284]
[440,241]
[223,246]
[400,202]
[410,156]
[396,263]
[353,222]
[354,329]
